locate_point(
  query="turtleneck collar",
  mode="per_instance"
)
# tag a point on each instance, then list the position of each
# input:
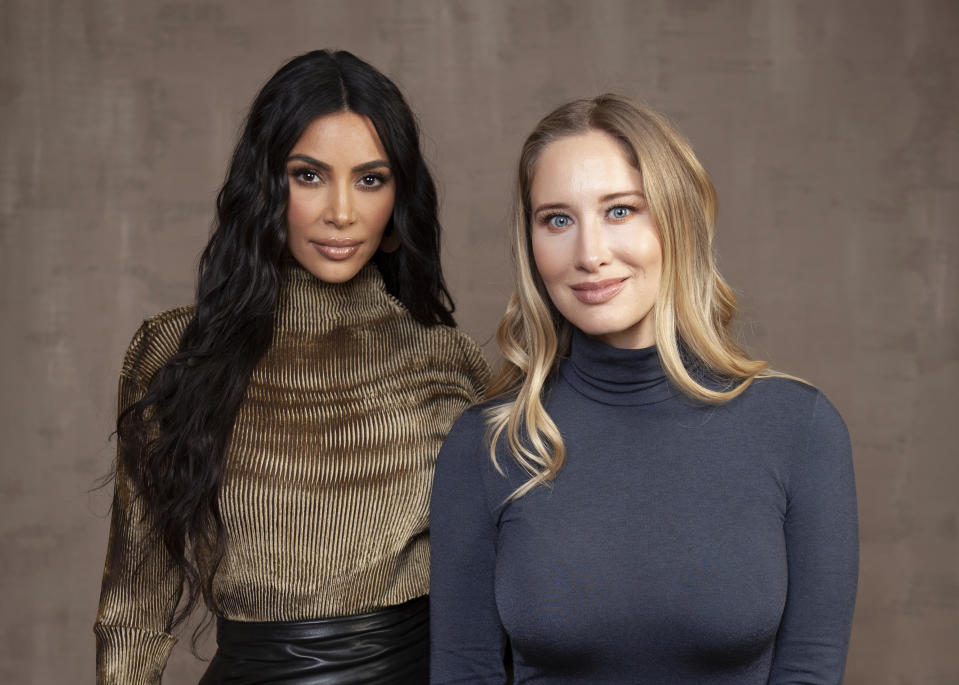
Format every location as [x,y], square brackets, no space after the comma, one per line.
[615,376]
[308,304]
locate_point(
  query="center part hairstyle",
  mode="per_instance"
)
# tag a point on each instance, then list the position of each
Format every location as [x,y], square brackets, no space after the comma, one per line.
[173,441]
[694,306]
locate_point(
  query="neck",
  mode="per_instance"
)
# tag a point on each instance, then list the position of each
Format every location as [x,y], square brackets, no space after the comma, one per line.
[615,376]
[308,304]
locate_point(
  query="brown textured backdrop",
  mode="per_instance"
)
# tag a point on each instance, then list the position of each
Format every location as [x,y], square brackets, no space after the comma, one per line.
[830,129]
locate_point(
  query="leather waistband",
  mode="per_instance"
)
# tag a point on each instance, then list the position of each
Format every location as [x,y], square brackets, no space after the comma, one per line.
[390,645]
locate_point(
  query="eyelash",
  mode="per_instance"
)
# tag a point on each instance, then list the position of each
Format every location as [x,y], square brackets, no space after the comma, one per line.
[379,178]
[546,220]
[631,208]
[300,176]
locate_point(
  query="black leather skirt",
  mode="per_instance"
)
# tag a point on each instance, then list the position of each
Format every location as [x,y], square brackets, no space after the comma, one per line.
[386,646]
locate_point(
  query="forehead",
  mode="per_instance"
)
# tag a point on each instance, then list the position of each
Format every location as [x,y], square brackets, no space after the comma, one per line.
[582,166]
[346,135]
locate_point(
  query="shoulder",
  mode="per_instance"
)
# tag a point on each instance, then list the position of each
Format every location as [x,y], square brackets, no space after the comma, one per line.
[788,397]
[470,427]
[157,339]
[466,443]
[452,350]
[464,457]
[466,467]
[464,484]
[464,350]
[801,414]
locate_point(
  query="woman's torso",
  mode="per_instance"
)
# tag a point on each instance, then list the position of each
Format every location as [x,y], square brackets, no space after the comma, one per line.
[325,497]
[326,480]
[663,552]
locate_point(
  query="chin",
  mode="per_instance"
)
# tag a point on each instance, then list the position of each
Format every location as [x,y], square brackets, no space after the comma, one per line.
[339,275]
[329,271]
[625,334]
[596,327]
[599,333]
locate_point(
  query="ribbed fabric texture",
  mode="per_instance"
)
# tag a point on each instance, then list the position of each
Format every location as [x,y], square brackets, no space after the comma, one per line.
[327,481]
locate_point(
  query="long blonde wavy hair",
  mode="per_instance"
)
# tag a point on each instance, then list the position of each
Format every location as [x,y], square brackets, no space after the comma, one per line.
[694,304]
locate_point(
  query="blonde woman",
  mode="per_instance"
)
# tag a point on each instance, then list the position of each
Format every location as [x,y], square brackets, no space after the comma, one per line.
[638,501]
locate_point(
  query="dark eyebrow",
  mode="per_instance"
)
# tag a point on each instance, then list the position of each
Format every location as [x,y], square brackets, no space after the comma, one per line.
[310,160]
[369,166]
[365,166]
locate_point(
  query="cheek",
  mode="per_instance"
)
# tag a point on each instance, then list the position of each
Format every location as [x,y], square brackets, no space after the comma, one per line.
[299,210]
[645,252]
[651,254]
[378,209]
[383,214]
[549,257]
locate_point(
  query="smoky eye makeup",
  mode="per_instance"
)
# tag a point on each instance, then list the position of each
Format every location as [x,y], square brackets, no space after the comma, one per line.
[374,180]
[304,175]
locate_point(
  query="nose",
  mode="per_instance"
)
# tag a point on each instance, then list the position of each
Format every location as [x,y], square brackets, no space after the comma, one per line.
[592,246]
[340,210]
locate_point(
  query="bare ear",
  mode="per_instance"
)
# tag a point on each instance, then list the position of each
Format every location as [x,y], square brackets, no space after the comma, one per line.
[390,242]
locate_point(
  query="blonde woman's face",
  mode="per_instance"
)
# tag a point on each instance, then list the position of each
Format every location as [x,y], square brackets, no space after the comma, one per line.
[341,196]
[594,242]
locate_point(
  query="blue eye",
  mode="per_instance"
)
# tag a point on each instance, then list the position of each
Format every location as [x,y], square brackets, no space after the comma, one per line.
[620,212]
[558,221]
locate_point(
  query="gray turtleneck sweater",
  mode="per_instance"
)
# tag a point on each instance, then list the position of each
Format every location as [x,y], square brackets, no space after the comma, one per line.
[680,543]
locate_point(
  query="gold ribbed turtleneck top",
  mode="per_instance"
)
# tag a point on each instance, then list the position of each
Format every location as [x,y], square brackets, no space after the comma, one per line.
[326,487]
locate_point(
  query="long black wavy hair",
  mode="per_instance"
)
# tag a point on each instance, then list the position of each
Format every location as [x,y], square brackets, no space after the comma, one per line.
[173,441]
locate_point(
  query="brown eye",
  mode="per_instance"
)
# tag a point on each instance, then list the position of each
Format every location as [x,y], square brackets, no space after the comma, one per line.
[371,181]
[306,176]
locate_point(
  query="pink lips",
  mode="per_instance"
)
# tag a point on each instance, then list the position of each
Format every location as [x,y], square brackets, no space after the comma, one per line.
[336,249]
[598,292]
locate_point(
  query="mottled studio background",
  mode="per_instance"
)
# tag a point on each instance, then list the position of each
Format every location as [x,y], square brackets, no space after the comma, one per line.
[831,129]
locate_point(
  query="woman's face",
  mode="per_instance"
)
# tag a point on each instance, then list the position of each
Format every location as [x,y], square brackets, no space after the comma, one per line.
[341,196]
[594,242]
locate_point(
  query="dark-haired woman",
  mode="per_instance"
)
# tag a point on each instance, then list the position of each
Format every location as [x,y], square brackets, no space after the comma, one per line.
[277,437]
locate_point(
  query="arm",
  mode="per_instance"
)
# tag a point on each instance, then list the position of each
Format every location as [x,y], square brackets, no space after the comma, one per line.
[822,550]
[467,639]
[475,369]
[140,589]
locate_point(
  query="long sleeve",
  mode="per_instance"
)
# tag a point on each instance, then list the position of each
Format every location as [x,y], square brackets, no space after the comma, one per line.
[326,480]
[680,542]
[821,534]
[140,588]
[467,639]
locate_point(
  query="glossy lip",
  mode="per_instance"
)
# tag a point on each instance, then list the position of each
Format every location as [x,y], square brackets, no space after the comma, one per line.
[598,292]
[337,249]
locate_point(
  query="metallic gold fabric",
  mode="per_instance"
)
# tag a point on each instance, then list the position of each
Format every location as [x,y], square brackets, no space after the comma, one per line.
[328,474]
